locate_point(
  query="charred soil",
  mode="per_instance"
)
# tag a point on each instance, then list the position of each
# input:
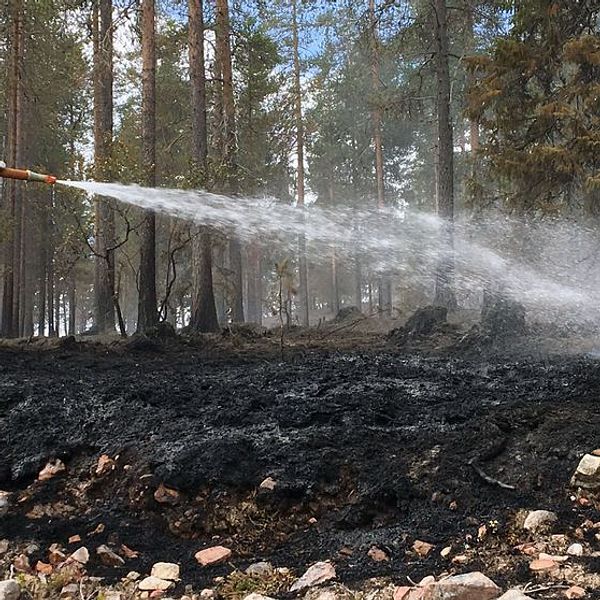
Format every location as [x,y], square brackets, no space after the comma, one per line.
[366,448]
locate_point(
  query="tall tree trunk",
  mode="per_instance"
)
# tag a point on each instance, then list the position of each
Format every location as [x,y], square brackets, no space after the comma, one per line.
[303,293]
[444,278]
[104,221]
[72,302]
[204,312]
[385,284]
[254,276]
[223,57]
[147,305]
[11,290]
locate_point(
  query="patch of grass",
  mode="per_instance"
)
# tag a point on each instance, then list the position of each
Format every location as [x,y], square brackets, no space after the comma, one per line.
[239,584]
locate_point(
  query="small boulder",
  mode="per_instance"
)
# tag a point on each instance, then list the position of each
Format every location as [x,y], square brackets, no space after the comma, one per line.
[9,590]
[164,570]
[319,573]
[575,550]
[538,521]
[587,474]
[213,556]
[149,584]
[469,586]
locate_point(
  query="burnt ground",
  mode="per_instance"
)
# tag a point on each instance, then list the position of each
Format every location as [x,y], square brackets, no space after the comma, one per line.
[375,445]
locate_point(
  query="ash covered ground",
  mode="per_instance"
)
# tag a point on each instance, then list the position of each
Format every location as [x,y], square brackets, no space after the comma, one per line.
[367,447]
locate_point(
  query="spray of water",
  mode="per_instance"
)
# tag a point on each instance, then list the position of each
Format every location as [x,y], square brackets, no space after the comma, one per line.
[547,266]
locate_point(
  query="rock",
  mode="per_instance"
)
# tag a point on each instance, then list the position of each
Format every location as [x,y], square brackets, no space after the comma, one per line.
[166,495]
[260,569]
[402,592]
[445,553]
[268,484]
[377,554]
[105,465]
[52,469]
[164,570]
[21,564]
[538,521]
[255,596]
[208,594]
[113,595]
[543,564]
[4,546]
[43,568]
[587,474]
[149,584]
[69,591]
[575,592]
[4,502]
[515,595]
[213,556]
[470,586]
[81,555]
[423,549]
[74,539]
[108,557]
[9,590]
[318,573]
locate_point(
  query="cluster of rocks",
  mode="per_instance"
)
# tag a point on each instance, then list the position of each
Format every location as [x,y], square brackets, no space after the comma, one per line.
[551,556]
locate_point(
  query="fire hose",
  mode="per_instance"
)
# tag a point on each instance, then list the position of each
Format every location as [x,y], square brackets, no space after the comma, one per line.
[25,174]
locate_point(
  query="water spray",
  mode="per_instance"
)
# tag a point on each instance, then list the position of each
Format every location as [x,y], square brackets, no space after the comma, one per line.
[25,174]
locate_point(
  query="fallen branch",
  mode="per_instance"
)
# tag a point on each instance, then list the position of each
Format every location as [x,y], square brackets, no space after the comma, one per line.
[487,478]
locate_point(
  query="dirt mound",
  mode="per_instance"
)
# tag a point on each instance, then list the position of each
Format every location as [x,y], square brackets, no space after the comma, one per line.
[503,317]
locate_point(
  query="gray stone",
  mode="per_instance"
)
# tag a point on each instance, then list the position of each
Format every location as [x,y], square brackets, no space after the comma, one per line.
[260,569]
[539,520]
[469,586]
[164,570]
[9,590]
[319,573]
[587,474]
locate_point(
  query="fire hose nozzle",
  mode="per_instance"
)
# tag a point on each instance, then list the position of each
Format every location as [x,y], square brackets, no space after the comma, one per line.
[25,174]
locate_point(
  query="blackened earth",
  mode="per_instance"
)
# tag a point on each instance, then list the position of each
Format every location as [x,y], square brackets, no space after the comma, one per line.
[374,445]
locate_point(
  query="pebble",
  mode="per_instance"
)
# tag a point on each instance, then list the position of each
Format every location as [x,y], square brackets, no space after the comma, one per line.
[166,495]
[52,468]
[208,594]
[315,575]
[422,548]
[4,502]
[164,570]
[268,484]
[515,595]
[213,556]
[543,564]
[575,550]
[260,569]
[154,583]
[108,557]
[9,590]
[377,554]
[539,520]
[575,592]
[81,555]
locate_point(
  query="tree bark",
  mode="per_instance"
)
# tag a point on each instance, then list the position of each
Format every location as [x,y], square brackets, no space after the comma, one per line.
[229,145]
[444,277]
[303,293]
[385,284]
[104,223]
[204,312]
[11,289]
[147,304]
